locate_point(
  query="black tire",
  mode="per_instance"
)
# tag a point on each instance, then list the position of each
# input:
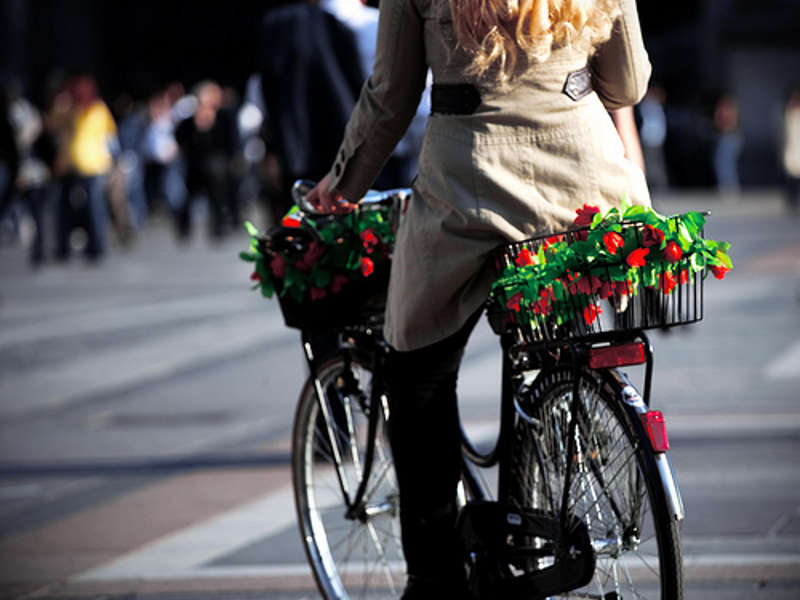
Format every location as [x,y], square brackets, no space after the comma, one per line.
[615,490]
[358,558]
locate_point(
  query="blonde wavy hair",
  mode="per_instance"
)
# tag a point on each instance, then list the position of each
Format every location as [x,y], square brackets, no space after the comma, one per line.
[495,32]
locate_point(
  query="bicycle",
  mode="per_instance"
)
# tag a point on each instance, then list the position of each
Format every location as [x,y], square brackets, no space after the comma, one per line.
[587,504]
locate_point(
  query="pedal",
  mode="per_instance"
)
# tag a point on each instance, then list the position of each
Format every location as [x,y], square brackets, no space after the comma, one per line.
[523,554]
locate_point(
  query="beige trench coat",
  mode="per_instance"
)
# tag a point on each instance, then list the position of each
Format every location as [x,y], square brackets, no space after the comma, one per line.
[519,166]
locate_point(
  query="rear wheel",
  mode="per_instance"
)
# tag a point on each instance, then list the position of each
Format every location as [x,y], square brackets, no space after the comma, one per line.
[615,489]
[356,556]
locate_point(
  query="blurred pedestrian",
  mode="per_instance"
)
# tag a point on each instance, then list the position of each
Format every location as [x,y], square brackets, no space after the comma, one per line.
[728,145]
[83,195]
[653,134]
[133,122]
[791,149]
[310,77]
[9,157]
[206,146]
[163,166]
[362,20]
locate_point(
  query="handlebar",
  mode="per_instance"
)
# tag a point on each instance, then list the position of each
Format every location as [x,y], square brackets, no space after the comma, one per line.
[373,198]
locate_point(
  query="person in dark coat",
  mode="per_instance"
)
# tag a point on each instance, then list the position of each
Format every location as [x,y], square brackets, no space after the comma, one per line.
[311,76]
[9,157]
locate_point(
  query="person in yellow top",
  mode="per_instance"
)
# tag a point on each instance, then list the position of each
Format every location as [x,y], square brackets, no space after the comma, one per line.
[83,193]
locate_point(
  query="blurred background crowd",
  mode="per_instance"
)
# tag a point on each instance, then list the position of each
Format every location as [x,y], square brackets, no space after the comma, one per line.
[113,114]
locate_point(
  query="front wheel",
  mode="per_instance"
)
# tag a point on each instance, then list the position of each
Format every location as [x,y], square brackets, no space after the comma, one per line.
[615,489]
[356,555]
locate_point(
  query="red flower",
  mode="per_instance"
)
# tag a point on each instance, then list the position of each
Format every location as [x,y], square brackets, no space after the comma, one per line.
[589,285]
[673,252]
[338,282]
[318,293]
[369,239]
[255,276]
[513,302]
[525,257]
[623,288]
[591,312]
[605,290]
[668,282]
[585,215]
[367,266]
[613,242]
[636,258]
[290,221]
[278,266]
[552,240]
[719,271]
[652,236]
[310,258]
[684,277]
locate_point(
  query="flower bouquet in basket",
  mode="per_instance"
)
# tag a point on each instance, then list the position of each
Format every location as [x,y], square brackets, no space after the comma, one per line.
[643,265]
[322,266]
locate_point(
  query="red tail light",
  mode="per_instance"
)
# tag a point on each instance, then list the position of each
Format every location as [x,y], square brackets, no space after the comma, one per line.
[656,430]
[606,357]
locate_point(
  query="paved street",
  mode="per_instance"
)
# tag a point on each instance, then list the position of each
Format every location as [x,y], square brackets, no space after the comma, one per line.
[146,405]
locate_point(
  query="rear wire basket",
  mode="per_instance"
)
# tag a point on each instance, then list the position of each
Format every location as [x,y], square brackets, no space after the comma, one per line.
[649,308]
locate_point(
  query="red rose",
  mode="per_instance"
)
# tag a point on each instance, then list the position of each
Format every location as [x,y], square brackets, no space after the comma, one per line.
[310,258]
[318,293]
[278,266]
[552,240]
[652,236]
[613,242]
[369,239]
[584,285]
[719,271]
[367,266]
[338,282]
[636,258]
[585,215]
[684,276]
[623,288]
[525,257]
[668,282]
[591,312]
[513,302]
[673,252]
[290,221]
[255,276]
[542,307]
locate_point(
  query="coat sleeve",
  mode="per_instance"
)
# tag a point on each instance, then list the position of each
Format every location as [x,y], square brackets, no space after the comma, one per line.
[388,100]
[620,67]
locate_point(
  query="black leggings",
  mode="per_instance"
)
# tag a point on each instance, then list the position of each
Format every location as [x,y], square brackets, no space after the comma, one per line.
[425,439]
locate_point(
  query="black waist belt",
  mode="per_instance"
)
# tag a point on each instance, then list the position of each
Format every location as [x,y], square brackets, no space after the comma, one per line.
[454,99]
[464,98]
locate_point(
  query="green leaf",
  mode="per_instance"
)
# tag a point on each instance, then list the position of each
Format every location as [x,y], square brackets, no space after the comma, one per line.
[694,222]
[596,220]
[247,257]
[725,259]
[634,211]
[251,229]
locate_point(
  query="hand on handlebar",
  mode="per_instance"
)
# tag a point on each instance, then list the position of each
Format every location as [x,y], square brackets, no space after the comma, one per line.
[327,201]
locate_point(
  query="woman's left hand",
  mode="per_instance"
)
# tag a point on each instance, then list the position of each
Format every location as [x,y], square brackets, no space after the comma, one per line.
[328,201]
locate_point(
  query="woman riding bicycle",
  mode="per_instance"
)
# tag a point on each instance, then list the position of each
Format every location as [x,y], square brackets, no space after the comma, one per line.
[518,139]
